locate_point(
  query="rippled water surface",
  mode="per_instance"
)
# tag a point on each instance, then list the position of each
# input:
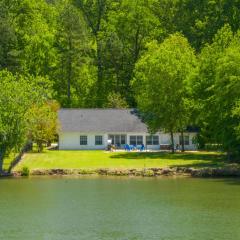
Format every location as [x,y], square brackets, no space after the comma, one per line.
[119,209]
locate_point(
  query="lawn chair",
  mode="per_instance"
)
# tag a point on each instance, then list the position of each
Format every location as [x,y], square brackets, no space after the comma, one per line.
[142,148]
[131,147]
[134,147]
[127,147]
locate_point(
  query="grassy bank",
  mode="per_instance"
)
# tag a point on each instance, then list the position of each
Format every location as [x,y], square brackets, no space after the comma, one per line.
[101,159]
[7,161]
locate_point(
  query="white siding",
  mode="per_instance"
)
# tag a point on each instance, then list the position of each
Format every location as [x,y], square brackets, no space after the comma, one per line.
[191,145]
[166,139]
[71,140]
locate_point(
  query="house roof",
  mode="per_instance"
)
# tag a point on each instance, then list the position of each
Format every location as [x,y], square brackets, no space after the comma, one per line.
[100,120]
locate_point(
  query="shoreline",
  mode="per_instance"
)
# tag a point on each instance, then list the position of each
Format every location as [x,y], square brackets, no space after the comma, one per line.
[232,170]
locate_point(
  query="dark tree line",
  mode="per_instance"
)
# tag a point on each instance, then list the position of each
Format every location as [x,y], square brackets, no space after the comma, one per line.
[88,48]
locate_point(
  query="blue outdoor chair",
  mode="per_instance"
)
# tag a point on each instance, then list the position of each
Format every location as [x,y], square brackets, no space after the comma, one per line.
[127,147]
[142,148]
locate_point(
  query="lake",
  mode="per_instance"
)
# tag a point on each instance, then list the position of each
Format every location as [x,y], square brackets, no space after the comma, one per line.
[118,208]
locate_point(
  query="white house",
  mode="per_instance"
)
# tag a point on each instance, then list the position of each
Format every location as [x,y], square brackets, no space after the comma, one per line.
[94,128]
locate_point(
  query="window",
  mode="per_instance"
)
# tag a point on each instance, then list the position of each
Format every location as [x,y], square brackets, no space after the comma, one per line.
[123,139]
[111,137]
[186,140]
[83,140]
[155,140]
[139,140]
[98,140]
[118,139]
[136,140]
[133,140]
[152,140]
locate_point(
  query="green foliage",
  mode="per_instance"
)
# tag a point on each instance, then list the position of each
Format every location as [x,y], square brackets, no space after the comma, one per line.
[25,171]
[17,95]
[89,48]
[120,30]
[162,81]
[74,73]
[115,100]
[42,123]
[217,90]
[13,104]
[148,173]
[198,20]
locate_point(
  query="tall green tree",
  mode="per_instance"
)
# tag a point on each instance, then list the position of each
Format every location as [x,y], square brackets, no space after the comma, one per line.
[74,72]
[198,20]
[115,100]
[42,124]
[17,95]
[216,90]
[128,27]
[161,84]
[94,12]
[8,38]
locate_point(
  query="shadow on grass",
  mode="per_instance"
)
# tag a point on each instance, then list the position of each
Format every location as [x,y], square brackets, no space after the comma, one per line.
[175,156]
[207,159]
[209,163]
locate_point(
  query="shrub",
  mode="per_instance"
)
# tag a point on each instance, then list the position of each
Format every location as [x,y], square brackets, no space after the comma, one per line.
[25,171]
[148,173]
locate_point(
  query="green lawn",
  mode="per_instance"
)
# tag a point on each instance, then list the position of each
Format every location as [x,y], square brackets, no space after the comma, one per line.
[101,159]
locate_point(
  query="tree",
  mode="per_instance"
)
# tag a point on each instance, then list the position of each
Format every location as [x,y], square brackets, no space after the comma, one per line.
[94,12]
[217,91]
[42,123]
[236,114]
[226,94]
[8,39]
[161,84]
[35,29]
[17,95]
[115,100]
[128,27]
[74,73]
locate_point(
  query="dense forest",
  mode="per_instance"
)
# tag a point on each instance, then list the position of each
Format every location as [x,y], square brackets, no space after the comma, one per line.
[177,61]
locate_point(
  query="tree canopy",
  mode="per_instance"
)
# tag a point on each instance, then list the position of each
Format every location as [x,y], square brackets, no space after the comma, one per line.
[161,84]
[18,94]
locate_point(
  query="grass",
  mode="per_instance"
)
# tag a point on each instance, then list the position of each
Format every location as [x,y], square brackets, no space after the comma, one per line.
[50,159]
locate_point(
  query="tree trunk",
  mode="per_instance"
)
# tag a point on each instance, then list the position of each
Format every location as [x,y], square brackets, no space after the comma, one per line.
[172,142]
[2,153]
[1,162]
[229,155]
[99,84]
[69,77]
[30,146]
[40,146]
[136,47]
[182,137]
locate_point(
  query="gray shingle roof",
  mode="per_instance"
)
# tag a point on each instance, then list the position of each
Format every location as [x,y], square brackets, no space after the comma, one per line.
[100,120]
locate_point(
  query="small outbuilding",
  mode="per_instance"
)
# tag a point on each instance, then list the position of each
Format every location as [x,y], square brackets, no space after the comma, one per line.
[97,128]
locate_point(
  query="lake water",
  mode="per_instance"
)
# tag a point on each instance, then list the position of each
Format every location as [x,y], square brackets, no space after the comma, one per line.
[119,209]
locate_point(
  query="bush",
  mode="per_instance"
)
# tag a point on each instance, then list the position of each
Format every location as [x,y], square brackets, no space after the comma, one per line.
[25,171]
[148,173]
